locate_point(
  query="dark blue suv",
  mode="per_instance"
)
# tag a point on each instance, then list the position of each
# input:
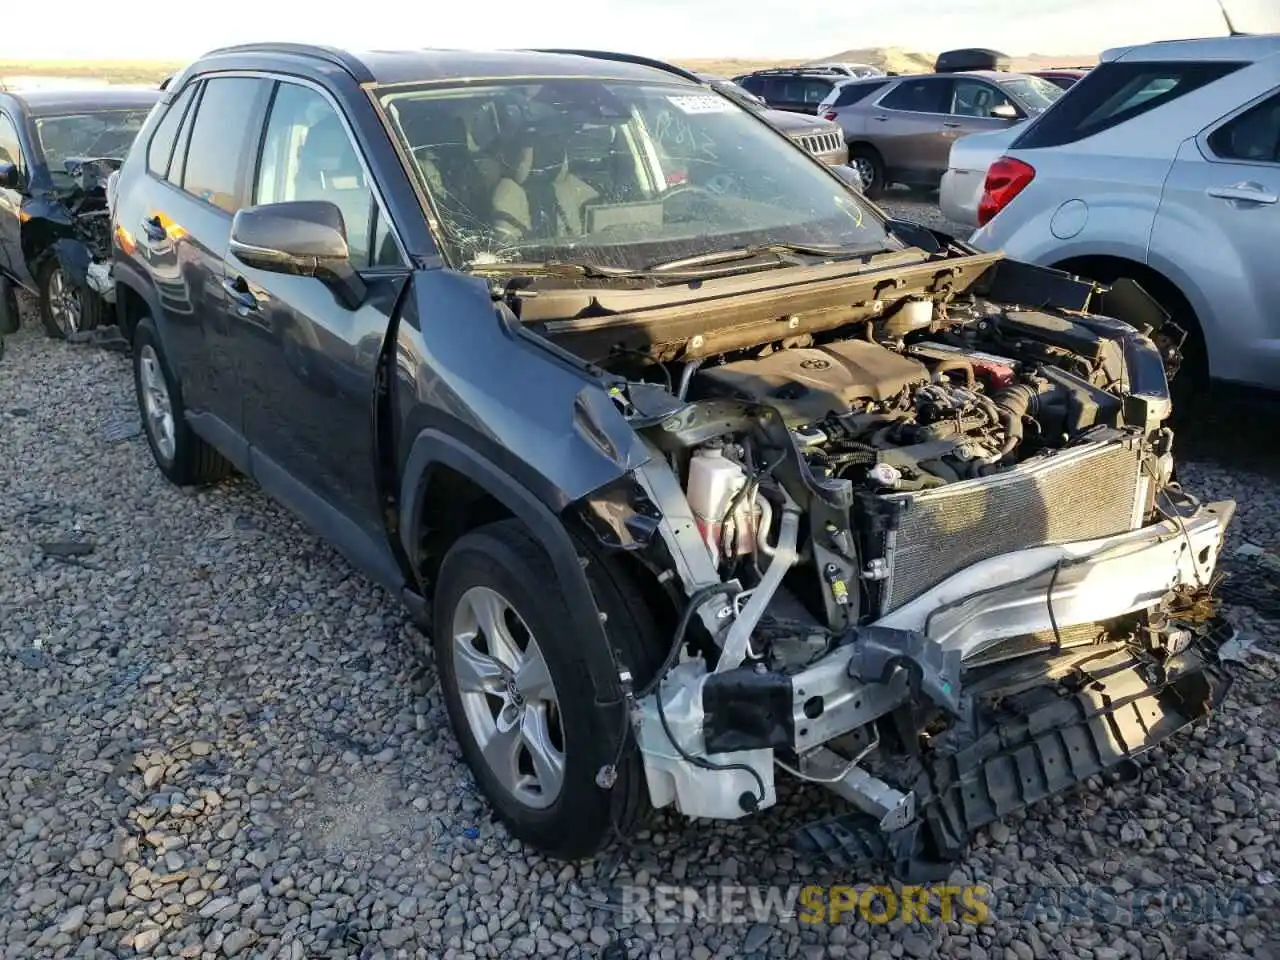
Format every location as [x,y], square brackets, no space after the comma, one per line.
[653,423]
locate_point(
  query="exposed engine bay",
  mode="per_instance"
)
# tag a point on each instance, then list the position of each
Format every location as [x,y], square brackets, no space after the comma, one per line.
[86,253]
[932,557]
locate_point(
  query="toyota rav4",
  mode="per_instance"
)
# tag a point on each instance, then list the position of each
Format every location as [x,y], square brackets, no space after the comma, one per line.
[695,468]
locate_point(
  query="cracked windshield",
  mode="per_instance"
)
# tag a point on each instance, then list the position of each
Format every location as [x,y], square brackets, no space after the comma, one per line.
[87,136]
[618,175]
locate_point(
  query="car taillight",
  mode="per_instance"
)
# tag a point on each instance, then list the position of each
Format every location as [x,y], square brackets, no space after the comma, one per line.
[1006,178]
[830,115]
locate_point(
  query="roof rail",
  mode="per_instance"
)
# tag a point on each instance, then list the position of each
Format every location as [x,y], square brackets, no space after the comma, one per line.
[627,58]
[801,68]
[339,58]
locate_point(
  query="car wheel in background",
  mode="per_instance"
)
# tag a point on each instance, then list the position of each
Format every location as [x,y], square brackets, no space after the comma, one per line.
[870,166]
[66,309]
[519,693]
[182,456]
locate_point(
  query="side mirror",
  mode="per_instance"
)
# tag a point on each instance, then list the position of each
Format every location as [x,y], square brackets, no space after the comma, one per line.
[1005,111]
[304,238]
[10,176]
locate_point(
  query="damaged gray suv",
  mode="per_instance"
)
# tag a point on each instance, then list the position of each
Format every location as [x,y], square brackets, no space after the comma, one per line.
[696,469]
[57,150]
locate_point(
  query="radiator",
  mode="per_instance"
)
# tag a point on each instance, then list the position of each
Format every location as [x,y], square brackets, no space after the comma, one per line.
[1095,490]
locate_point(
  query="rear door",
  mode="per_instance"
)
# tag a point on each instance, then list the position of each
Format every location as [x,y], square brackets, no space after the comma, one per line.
[907,126]
[182,235]
[11,260]
[307,361]
[1219,216]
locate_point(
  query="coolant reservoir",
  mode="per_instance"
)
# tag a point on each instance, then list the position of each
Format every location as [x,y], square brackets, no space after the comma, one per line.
[714,480]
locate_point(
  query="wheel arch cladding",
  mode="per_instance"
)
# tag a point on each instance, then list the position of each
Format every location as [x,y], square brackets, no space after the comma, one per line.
[434,449]
[135,298]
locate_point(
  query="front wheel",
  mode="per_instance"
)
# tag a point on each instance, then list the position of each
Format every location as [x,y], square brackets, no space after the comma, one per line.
[66,309]
[519,694]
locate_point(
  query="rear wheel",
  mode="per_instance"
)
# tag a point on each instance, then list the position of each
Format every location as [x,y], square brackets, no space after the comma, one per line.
[519,692]
[182,456]
[870,166]
[65,308]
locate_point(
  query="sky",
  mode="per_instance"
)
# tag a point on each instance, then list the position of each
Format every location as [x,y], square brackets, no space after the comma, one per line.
[141,29]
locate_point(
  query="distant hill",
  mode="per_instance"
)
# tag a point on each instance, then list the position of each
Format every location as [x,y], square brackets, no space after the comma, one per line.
[110,71]
[892,59]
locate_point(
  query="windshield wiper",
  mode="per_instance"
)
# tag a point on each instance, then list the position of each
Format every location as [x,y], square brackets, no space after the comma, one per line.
[780,250]
[552,268]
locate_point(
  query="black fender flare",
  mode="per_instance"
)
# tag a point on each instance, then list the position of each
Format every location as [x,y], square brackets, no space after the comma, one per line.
[127,275]
[432,446]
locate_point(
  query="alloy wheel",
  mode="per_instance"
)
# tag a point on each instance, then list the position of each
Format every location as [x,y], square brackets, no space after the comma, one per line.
[508,697]
[64,302]
[866,171]
[155,402]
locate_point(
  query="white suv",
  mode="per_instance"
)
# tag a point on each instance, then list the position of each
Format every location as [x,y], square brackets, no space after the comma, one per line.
[1162,165]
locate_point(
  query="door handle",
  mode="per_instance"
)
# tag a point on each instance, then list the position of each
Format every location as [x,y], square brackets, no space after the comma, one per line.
[238,289]
[153,229]
[952,126]
[881,119]
[1242,193]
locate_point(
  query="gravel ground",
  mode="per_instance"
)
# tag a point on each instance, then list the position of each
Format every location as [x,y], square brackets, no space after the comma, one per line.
[901,202]
[216,740]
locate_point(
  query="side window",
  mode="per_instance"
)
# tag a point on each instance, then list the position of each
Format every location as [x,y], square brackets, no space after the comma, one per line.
[772,89]
[160,149]
[857,92]
[1114,92]
[815,91]
[1252,136]
[307,154]
[753,85]
[178,164]
[919,96]
[219,140]
[973,98]
[10,147]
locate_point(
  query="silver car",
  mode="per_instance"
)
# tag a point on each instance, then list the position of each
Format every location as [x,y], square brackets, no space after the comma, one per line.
[900,129]
[962,185]
[1162,166]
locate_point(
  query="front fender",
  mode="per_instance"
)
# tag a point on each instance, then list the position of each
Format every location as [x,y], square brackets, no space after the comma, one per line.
[433,447]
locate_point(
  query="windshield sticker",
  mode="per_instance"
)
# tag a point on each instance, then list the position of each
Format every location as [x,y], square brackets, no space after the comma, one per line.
[701,103]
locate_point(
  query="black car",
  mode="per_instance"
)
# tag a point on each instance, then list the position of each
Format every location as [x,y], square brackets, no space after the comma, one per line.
[794,90]
[693,466]
[57,149]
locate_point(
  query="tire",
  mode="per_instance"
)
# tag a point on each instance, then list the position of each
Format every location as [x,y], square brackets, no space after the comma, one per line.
[64,308]
[870,166]
[182,456]
[575,817]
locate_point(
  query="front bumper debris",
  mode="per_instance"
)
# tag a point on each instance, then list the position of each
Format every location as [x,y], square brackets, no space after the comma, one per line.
[1011,680]
[1109,707]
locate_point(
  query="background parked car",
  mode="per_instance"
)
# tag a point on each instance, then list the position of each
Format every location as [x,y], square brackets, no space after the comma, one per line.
[798,90]
[858,70]
[820,137]
[57,148]
[1066,79]
[900,129]
[960,192]
[1163,165]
